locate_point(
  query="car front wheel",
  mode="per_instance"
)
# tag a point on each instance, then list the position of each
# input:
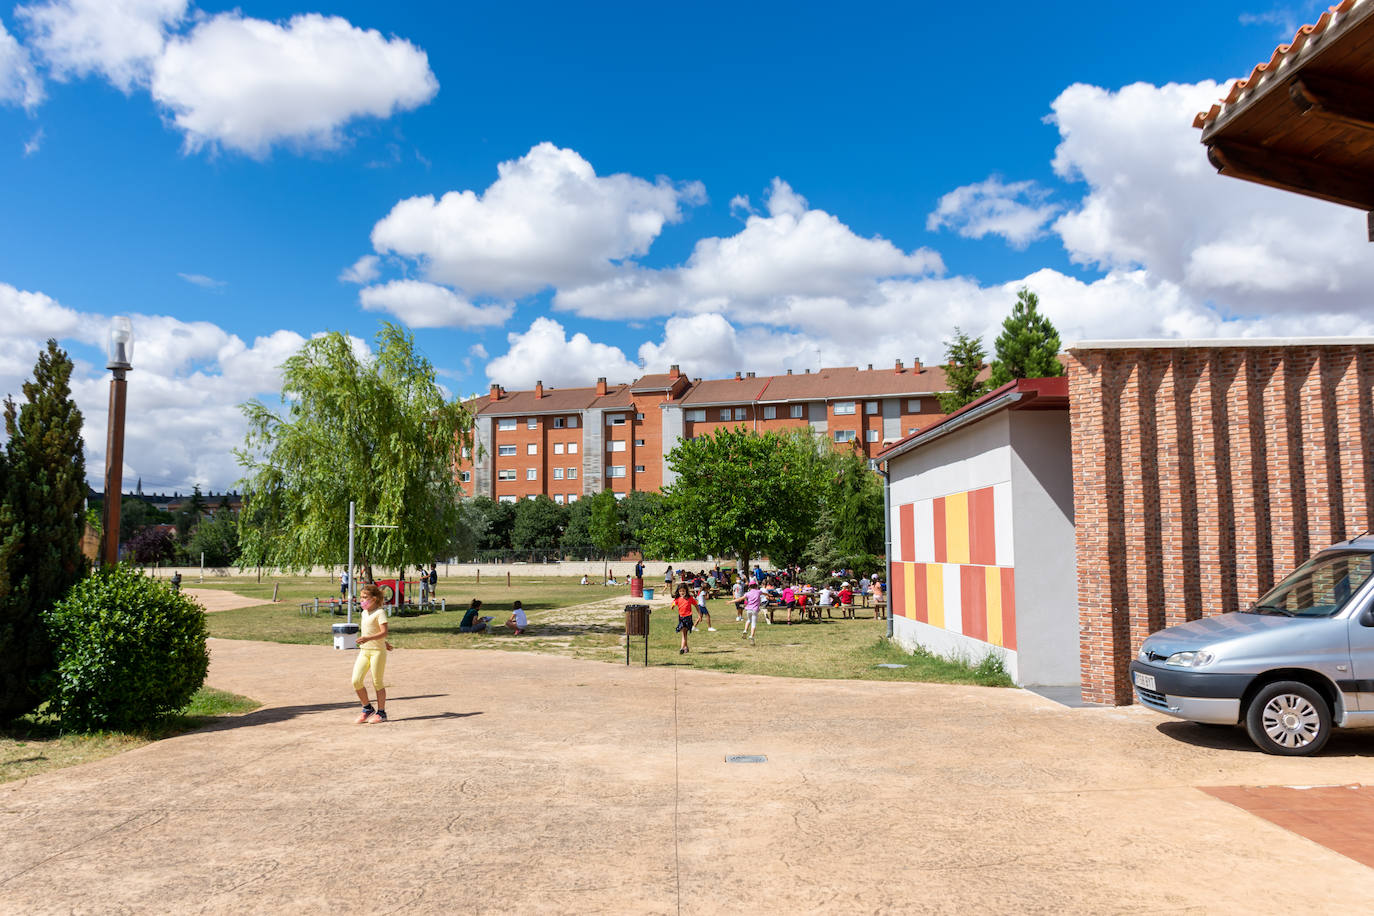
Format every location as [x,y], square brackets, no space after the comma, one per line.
[1288,718]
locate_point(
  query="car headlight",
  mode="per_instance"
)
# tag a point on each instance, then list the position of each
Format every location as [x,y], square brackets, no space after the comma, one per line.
[1143,655]
[1193,659]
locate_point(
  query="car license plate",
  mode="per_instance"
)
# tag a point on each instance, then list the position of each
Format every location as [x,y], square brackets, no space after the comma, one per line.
[1147,681]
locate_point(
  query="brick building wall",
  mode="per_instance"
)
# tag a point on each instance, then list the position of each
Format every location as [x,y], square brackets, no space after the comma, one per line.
[1204,474]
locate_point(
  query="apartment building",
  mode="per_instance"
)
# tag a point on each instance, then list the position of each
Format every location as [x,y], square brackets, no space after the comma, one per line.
[569,442]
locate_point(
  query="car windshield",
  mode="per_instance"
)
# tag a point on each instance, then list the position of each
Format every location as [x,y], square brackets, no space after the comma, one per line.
[1318,588]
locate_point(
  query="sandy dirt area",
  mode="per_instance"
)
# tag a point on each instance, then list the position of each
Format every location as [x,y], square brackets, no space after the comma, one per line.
[217,599]
[517,783]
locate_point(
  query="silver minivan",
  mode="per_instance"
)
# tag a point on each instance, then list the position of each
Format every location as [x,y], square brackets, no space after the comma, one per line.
[1291,667]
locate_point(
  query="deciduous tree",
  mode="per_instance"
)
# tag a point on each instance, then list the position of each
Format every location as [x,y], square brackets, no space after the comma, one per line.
[375,429]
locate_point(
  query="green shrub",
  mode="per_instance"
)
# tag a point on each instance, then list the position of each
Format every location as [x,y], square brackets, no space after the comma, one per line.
[129,651]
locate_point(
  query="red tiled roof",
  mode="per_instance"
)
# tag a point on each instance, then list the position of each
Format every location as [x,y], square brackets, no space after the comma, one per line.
[848,381]
[555,400]
[618,396]
[1046,393]
[660,382]
[1307,38]
[725,391]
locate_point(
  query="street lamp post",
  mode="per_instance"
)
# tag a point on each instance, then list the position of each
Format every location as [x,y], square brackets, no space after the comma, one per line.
[121,354]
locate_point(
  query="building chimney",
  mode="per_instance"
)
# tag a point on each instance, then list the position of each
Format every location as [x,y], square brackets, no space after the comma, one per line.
[916,364]
[750,375]
[870,367]
[539,389]
[808,371]
[674,371]
[789,371]
[495,392]
[898,370]
[601,386]
[737,375]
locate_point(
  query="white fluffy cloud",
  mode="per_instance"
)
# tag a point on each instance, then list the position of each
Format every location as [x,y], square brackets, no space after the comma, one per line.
[1154,201]
[546,353]
[116,39]
[547,220]
[19,82]
[759,273]
[183,420]
[427,305]
[1018,211]
[246,84]
[362,271]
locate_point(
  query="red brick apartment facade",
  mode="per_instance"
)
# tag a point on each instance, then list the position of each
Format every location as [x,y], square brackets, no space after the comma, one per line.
[567,443]
[1202,475]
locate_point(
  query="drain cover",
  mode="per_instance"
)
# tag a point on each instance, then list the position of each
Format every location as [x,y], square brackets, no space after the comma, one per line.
[745,758]
[889,665]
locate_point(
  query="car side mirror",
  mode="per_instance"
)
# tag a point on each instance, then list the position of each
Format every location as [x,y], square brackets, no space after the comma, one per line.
[1367,617]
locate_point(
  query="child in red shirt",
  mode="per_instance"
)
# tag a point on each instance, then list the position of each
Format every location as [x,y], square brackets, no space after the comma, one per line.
[846,600]
[685,607]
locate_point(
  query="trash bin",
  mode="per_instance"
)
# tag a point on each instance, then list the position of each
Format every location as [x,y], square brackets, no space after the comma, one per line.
[346,635]
[648,594]
[637,587]
[637,624]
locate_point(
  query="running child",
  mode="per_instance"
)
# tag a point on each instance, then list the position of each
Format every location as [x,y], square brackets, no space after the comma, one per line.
[372,650]
[751,601]
[705,615]
[685,608]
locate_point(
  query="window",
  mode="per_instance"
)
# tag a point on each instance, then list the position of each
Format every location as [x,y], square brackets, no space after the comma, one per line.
[572,422]
[572,497]
[558,499]
[557,473]
[505,499]
[913,405]
[558,448]
[615,445]
[770,413]
[798,411]
[843,407]
[531,473]
[639,416]
[639,443]
[531,449]
[531,423]
[871,436]
[615,470]
[505,450]
[557,422]
[844,435]
[467,452]
[572,473]
[465,476]
[572,448]
[620,496]
[725,413]
[739,413]
[639,469]
[505,423]
[871,406]
[695,416]
[506,474]
[533,496]
[615,419]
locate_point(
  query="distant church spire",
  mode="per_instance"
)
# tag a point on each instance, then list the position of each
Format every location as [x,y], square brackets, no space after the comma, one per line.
[139,489]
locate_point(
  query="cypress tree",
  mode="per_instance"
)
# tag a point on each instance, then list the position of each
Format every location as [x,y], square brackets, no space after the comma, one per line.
[41,521]
[963,362]
[1028,346]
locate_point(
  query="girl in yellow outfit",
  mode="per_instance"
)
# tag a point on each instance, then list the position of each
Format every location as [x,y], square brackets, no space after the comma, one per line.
[371,654]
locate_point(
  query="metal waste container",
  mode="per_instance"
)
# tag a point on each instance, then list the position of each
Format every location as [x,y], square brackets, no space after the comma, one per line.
[637,624]
[637,587]
[346,635]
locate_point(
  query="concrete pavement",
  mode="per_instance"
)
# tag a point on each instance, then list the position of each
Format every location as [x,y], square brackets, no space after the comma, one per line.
[514,782]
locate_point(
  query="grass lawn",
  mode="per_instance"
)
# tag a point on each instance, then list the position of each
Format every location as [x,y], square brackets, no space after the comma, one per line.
[35,743]
[587,622]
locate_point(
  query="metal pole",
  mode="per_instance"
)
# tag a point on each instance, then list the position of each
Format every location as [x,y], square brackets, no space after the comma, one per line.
[114,466]
[202,566]
[350,561]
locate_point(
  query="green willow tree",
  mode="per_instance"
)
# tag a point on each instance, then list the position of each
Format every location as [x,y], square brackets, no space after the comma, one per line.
[42,488]
[1028,346]
[374,430]
[739,493]
[964,362]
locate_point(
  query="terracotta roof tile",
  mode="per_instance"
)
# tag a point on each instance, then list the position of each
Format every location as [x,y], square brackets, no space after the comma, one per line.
[660,382]
[555,400]
[849,381]
[1307,37]
[725,391]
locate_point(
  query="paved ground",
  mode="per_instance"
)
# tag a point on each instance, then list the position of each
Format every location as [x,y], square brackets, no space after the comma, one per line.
[217,599]
[509,782]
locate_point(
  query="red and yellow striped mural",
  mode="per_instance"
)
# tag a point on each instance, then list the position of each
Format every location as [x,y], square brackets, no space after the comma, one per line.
[958,585]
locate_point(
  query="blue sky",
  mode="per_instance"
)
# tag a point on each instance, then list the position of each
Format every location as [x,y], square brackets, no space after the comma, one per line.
[778,186]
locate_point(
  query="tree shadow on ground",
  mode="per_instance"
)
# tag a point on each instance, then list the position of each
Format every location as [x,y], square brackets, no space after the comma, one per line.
[437,715]
[284,713]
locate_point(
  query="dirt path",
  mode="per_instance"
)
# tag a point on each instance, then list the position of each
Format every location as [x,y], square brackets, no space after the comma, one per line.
[217,599]
[509,782]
